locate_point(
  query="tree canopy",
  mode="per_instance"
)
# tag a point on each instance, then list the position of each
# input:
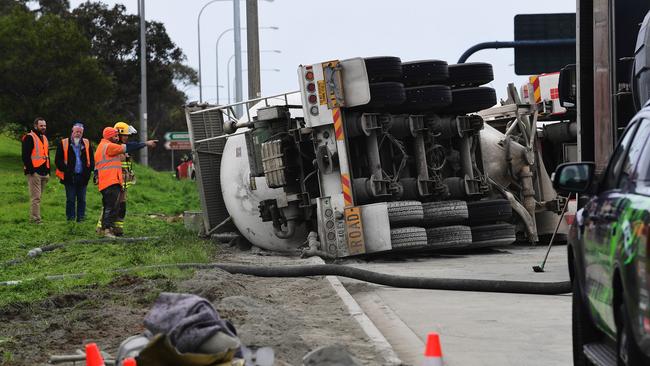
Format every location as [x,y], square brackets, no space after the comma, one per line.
[84,64]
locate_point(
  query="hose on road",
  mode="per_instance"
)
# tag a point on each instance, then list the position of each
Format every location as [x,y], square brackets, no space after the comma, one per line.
[454,284]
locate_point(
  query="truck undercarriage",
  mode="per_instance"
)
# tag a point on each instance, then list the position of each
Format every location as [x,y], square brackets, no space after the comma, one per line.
[375,155]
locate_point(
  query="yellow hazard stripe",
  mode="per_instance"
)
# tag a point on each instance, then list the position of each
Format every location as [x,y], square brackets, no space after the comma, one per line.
[537,92]
[347,190]
[338,124]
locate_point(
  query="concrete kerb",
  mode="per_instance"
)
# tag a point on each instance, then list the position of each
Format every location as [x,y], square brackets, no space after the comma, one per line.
[376,337]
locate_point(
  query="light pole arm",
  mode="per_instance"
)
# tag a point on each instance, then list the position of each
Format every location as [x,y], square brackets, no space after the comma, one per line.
[198,32]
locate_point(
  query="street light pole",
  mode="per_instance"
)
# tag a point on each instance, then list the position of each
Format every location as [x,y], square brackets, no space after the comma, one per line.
[198,32]
[253,44]
[144,158]
[274,70]
[238,66]
[228,69]
[217,52]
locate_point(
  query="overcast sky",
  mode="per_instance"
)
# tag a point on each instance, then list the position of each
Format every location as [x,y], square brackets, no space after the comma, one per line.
[311,31]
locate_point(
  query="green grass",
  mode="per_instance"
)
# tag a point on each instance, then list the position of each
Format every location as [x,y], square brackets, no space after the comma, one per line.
[153,209]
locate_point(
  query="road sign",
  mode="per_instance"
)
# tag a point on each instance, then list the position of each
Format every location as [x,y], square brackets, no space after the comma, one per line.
[178,145]
[177,136]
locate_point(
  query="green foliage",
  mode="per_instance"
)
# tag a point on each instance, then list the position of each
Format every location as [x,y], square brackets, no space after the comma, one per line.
[114,36]
[153,209]
[47,70]
[84,65]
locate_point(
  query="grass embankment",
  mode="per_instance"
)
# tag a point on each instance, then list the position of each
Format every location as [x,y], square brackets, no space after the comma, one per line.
[154,205]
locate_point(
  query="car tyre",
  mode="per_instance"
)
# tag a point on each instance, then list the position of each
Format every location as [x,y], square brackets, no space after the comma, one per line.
[383,68]
[495,235]
[470,74]
[469,100]
[405,213]
[489,211]
[426,98]
[449,237]
[408,238]
[425,72]
[386,94]
[445,213]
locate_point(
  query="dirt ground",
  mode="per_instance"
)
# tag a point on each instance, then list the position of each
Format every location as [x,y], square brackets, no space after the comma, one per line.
[293,316]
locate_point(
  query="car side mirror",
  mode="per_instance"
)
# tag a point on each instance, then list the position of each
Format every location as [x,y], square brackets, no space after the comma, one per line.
[567,87]
[574,177]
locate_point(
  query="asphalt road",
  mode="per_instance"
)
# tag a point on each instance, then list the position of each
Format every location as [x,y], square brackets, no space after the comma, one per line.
[475,328]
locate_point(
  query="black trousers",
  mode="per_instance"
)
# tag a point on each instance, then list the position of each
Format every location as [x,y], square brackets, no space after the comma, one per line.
[111,203]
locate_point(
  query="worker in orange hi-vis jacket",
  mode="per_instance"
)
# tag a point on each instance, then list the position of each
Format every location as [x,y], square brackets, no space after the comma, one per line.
[108,164]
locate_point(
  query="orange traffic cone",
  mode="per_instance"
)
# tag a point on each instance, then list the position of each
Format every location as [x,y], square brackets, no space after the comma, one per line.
[129,362]
[93,357]
[433,351]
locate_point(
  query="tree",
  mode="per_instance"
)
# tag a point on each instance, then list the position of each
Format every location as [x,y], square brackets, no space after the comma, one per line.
[114,37]
[47,70]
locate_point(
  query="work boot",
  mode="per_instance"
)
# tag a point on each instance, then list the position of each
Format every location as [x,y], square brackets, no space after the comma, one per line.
[108,233]
[118,231]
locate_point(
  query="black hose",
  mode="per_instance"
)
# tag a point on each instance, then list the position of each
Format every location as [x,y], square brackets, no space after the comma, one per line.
[453,284]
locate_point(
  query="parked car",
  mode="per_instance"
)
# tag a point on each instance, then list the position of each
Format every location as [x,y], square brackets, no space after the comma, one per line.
[608,252]
[185,170]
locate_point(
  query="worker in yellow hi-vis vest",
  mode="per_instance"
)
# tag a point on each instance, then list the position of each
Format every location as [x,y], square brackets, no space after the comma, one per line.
[124,131]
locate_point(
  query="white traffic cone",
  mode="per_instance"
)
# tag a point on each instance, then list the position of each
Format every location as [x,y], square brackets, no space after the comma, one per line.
[433,351]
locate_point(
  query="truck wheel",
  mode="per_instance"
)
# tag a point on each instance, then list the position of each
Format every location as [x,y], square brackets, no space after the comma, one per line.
[489,211]
[425,72]
[495,235]
[386,94]
[627,351]
[582,329]
[468,100]
[403,213]
[426,98]
[408,237]
[444,213]
[383,68]
[449,237]
[470,74]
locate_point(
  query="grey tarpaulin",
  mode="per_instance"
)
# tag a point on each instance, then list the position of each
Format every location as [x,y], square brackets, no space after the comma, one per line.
[188,320]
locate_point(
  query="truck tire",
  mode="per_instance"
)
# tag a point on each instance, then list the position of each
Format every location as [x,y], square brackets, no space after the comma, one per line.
[488,211]
[386,94]
[404,213]
[469,100]
[495,235]
[383,68]
[444,213]
[426,98]
[583,330]
[408,237]
[470,74]
[449,237]
[425,72]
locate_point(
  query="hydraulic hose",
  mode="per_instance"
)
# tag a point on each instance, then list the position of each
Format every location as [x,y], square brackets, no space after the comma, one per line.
[453,284]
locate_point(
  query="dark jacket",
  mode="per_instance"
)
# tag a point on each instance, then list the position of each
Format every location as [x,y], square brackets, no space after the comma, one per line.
[68,169]
[28,146]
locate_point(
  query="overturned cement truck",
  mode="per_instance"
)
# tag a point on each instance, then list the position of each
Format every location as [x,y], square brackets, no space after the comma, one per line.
[375,155]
